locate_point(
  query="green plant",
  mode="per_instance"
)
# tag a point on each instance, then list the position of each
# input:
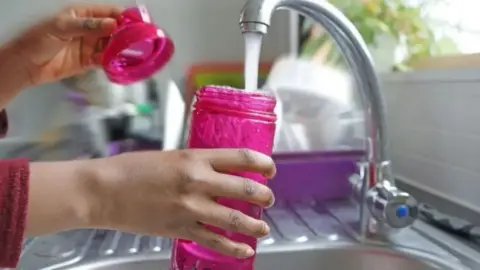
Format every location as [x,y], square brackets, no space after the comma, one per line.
[373,18]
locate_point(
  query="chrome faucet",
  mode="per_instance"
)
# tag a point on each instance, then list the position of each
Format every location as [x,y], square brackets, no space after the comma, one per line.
[387,207]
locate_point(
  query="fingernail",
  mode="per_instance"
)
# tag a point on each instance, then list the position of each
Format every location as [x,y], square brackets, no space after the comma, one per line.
[91,24]
[249,252]
[270,173]
[271,203]
[109,25]
[266,229]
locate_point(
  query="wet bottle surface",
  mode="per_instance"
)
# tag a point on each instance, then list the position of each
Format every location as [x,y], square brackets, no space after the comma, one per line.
[228,118]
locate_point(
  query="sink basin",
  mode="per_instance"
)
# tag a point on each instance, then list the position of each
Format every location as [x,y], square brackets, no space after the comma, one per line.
[343,256]
[302,238]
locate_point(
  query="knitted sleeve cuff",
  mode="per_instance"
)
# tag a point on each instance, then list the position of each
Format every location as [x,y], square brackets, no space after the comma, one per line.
[14,181]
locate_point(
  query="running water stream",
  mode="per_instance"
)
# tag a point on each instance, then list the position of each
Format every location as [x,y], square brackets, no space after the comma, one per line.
[253,46]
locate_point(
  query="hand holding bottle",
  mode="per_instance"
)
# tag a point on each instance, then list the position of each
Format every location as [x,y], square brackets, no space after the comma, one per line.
[170,193]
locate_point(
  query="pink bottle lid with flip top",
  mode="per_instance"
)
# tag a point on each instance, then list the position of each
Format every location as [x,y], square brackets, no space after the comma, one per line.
[137,49]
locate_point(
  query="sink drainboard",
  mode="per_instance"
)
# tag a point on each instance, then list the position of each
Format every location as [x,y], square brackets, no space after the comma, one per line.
[298,231]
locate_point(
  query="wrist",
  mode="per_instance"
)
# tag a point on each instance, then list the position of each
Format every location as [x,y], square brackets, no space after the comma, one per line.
[60,197]
[88,182]
[99,193]
[15,63]
[13,71]
[87,193]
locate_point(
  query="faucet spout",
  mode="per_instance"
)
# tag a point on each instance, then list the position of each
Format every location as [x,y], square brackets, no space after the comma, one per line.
[256,17]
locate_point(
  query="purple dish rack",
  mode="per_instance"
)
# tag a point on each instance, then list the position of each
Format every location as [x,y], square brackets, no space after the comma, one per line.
[318,176]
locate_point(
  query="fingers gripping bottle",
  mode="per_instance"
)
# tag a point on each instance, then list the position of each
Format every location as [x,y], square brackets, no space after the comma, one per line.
[225,117]
[137,49]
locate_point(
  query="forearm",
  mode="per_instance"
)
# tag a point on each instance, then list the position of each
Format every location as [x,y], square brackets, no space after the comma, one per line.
[60,196]
[41,198]
[13,74]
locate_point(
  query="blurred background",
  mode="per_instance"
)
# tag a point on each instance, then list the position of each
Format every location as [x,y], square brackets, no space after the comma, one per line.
[427,54]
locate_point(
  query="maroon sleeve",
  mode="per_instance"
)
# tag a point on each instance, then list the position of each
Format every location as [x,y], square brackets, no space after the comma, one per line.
[3,123]
[14,176]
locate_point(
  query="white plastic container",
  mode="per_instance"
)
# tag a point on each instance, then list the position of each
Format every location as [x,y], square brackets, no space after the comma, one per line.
[313,101]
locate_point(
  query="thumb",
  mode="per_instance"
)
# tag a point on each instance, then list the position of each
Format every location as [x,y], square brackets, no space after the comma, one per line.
[70,27]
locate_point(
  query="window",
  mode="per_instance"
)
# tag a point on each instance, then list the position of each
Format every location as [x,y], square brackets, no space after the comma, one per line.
[458,19]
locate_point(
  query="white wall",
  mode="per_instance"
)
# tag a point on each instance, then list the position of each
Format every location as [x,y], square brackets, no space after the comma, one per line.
[203,30]
[435,131]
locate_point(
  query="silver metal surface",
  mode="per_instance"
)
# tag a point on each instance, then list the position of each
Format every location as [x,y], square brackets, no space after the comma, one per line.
[302,237]
[334,257]
[383,201]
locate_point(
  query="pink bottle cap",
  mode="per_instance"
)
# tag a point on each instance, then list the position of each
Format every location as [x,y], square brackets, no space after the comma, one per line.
[137,49]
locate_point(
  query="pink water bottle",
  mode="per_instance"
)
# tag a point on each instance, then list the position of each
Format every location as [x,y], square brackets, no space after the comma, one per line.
[137,49]
[225,117]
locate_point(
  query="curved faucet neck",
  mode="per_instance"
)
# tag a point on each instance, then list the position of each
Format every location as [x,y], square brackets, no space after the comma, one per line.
[256,16]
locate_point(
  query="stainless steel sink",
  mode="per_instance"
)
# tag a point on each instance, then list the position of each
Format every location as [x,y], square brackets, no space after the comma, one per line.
[353,257]
[302,237]
[343,256]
